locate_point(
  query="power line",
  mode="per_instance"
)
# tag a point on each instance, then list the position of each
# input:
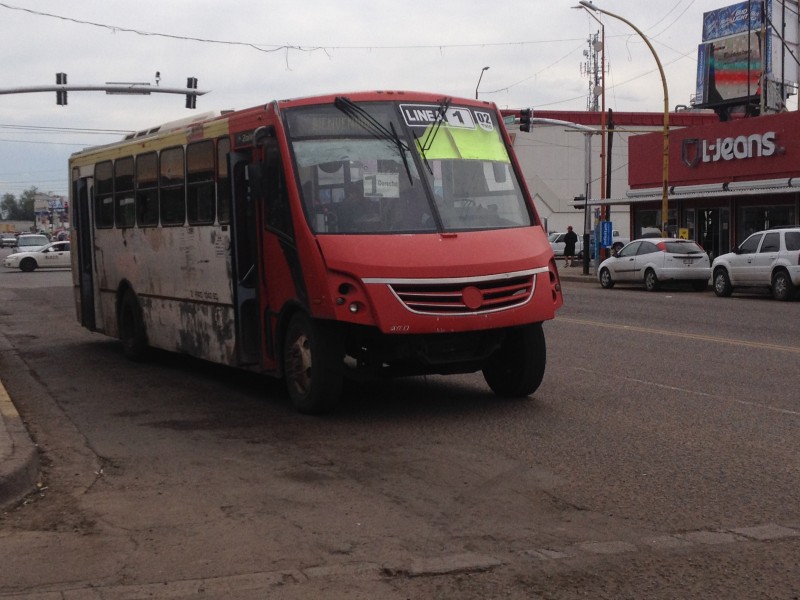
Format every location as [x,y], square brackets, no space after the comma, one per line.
[264,47]
[78,144]
[65,129]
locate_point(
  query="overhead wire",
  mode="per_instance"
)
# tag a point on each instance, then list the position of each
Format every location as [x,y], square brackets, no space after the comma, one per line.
[266,47]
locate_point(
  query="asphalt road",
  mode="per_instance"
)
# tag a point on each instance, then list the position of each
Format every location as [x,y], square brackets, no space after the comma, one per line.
[659,459]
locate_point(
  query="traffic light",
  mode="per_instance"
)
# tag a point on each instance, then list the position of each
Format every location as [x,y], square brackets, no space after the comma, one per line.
[525,116]
[191,99]
[61,95]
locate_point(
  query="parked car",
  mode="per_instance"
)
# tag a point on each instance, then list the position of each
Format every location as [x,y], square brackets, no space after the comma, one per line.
[8,241]
[30,242]
[53,255]
[768,259]
[654,262]
[557,243]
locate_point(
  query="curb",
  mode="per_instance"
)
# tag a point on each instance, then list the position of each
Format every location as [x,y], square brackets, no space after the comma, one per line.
[19,469]
[579,276]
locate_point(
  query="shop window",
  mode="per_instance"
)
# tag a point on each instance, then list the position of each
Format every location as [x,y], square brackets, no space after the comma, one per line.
[758,218]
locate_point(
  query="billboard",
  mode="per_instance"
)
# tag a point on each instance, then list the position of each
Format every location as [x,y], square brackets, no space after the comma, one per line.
[729,69]
[733,56]
[731,20]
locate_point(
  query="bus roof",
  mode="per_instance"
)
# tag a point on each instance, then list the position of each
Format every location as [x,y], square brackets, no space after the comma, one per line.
[166,132]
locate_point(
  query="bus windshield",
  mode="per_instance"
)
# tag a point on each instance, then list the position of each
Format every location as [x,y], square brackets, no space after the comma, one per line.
[386,167]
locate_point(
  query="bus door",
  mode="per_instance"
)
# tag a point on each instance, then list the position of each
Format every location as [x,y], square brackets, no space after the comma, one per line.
[280,273]
[244,253]
[82,223]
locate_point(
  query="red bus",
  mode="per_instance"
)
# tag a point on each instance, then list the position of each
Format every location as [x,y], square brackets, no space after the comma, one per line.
[381,234]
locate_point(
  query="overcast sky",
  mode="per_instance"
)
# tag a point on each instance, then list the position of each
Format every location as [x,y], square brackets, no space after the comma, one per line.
[248,53]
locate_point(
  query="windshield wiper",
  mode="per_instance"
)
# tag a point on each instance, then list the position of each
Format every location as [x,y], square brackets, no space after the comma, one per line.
[422,152]
[434,130]
[376,128]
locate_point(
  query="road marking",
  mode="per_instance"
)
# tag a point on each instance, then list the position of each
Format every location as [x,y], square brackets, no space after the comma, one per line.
[691,336]
[673,388]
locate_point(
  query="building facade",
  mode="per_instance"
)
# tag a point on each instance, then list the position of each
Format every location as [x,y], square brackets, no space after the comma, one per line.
[726,180]
[553,160]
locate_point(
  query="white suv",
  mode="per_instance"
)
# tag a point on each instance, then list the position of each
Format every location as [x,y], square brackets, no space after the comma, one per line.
[768,259]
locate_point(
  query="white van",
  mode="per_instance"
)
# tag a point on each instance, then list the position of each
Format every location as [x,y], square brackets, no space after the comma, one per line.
[31,242]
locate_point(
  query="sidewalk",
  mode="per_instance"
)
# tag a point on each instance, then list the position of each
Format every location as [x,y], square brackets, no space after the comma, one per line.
[576,273]
[19,459]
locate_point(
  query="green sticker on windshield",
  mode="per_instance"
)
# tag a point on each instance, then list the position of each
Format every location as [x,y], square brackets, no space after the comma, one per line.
[455,132]
[467,144]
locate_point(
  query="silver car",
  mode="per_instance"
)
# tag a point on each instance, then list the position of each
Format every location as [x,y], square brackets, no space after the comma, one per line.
[655,261]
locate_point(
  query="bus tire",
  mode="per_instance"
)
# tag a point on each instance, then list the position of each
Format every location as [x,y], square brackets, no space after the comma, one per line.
[313,364]
[132,332]
[516,369]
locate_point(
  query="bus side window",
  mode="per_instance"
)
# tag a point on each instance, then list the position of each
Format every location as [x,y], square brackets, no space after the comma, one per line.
[123,192]
[103,195]
[223,182]
[172,189]
[200,183]
[147,189]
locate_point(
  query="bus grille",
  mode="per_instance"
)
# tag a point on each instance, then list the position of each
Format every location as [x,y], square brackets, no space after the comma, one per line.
[468,297]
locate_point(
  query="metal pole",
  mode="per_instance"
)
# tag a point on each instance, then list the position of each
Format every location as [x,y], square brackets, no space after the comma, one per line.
[665,150]
[587,175]
[479,81]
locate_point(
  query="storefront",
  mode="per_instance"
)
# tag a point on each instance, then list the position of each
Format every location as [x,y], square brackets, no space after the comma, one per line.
[726,180]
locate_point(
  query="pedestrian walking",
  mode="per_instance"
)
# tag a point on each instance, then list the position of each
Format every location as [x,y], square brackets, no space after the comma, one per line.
[570,239]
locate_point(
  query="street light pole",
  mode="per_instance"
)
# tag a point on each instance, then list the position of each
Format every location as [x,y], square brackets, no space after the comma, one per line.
[479,81]
[665,151]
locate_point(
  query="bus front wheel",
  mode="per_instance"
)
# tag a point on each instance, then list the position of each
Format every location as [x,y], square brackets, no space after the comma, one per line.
[132,332]
[516,369]
[313,364]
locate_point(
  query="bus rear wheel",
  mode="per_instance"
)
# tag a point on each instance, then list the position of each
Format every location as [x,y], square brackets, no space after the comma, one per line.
[516,369]
[313,364]
[132,332]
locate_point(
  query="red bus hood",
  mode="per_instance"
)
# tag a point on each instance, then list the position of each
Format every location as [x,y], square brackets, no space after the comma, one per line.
[463,254]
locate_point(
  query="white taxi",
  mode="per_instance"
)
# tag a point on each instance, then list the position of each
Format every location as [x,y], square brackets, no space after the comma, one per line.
[55,255]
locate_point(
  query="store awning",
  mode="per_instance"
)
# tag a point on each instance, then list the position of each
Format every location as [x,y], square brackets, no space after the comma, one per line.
[698,192]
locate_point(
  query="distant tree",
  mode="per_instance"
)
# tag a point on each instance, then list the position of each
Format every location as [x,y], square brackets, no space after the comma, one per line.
[8,207]
[26,204]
